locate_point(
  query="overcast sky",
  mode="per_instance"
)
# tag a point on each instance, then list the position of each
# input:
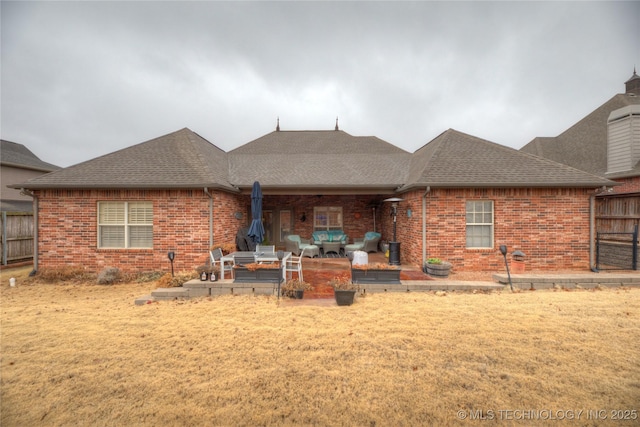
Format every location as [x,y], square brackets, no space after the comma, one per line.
[83,79]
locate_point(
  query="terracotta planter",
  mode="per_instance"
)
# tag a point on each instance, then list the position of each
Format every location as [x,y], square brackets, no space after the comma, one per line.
[517,267]
[375,276]
[344,297]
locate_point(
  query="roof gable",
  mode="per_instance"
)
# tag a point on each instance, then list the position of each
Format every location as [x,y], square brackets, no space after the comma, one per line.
[18,155]
[455,159]
[584,145]
[318,159]
[181,159]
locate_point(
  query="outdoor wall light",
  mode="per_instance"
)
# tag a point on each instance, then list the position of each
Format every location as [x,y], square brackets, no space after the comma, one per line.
[409,213]
[303,217]
[237,215]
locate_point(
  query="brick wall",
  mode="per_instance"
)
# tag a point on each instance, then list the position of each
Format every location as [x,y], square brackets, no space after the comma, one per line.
[67,228]
[551,226]
[629,185]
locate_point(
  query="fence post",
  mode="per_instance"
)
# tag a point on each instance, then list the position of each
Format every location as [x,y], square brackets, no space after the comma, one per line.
[634,255]
[4,238]
[597,251]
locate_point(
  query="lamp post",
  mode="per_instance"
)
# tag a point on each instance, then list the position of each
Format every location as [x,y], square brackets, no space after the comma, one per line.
[280,255]
[503,251]
[394,246]
[171,255]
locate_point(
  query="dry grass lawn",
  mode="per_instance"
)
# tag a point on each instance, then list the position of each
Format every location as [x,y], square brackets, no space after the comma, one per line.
[81,354]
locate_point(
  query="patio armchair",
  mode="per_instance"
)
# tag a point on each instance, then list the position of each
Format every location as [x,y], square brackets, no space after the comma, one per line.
[215,256]
[296,245]
[369,243]
[266,248]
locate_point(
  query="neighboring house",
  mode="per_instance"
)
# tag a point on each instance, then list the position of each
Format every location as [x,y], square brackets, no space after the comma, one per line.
[606,143]
[17,164]
[463,197]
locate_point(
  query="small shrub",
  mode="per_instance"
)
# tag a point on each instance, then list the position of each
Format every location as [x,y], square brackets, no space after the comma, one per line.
[168,281]
[68,273]
[434,261]
[150,276]
[226,248]
[291,286]
[375,266]
[257,266]
[109,276]
[343,282]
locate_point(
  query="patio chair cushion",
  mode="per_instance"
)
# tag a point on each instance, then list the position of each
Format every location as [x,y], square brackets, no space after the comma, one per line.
[329,236]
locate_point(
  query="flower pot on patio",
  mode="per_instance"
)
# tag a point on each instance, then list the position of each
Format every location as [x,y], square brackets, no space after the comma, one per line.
[295,288]
[344,297]
[344,289]
[258,275]
[437,268]
[517,267]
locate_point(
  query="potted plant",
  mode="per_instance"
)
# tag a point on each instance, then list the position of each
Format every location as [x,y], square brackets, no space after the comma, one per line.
[437,268]
[375,273]
[295,288]
[344,289]
[204,271]
[226,248]
[258,273]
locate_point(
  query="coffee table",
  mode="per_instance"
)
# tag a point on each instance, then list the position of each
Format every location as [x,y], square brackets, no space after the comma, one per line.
[331,247]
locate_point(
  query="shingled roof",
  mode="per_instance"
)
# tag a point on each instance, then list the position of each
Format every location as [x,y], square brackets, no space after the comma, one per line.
[584,145]
[318,159]
[310,161]
[181,159]
[19,156]
[455,159]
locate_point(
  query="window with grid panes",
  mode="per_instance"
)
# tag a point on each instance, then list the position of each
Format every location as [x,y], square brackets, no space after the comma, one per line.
[479,224]
[125,225]
[327,218]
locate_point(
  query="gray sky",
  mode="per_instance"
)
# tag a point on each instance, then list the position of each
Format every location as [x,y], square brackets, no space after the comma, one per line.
[83,79]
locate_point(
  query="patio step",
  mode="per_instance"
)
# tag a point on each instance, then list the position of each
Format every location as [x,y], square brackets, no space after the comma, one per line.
[569,281]
[197,288]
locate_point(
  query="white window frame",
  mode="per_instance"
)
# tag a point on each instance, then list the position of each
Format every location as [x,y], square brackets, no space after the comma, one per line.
[328,213]
[125,218]
[476,219]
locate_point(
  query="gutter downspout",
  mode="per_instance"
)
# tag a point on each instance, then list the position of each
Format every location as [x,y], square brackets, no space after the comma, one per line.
[592,227]
[206,191]
[36,206]
[424,225]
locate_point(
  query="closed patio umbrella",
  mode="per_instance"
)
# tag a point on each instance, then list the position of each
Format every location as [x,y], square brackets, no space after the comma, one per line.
[256,230]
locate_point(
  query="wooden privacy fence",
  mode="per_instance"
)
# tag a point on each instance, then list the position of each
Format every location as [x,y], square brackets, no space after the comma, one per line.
[17,236]
[617,220]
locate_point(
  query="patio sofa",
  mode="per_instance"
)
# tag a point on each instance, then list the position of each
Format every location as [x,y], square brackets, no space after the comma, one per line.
[317,237]
[294,244]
